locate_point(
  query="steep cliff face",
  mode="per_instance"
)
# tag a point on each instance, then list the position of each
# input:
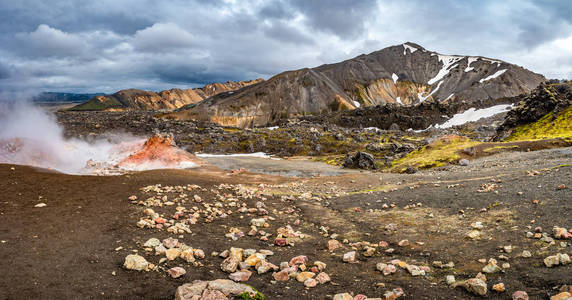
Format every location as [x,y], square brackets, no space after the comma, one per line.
[133,99]
[405,74]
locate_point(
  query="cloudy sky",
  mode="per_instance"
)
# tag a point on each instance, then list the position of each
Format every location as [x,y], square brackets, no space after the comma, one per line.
[107,45]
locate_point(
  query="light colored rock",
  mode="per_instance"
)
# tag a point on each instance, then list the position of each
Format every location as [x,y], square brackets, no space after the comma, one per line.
[499,287]
[343,296]
[135,262]
[333,245]
[491,267]
[229,287]
[520,295]
[562,296]
[299,260]
[170,243]
[350,257]
[281,276]
[258,222]
[323,278]
[450,279]
[176,272]
[152,243]
[173,253]
[476,286]
[39,205]
[526,253]
[188,255]
[240,276]
[303,276]
[229,265]
[310,282]
[473,234]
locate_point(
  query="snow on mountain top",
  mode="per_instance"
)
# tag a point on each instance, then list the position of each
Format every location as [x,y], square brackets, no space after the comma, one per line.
[472,115]
[394,77]
[448,63]
[495,75]
[411,49]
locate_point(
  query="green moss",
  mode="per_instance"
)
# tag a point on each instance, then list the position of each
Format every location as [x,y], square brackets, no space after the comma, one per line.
[333,160]
[500,148]
[548,127]
[246,296]
[437,154]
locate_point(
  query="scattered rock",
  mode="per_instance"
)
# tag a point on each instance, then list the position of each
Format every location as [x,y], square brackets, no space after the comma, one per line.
[229,265]
[450,279]
[562,296]
[240,276]
[41,205]
[520,295]
[176,272]
[323,278]
[360,160]
[135,262]
[350,257]
[499,287]
[333,245]
[343,296]
[476,286]
[464,162]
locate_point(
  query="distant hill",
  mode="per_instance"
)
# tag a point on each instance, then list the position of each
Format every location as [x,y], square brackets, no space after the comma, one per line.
[47,97]
[405,74]
[133,99]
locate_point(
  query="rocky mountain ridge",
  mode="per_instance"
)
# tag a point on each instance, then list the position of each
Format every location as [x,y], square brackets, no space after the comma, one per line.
[406,75]
[134,99]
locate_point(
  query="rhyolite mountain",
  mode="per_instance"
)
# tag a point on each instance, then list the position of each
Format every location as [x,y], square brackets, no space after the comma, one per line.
[405,75]
[134,99]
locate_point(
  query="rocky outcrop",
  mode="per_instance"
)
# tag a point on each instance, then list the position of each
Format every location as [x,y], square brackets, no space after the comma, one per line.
[405,75]
[133,99]
[548,98]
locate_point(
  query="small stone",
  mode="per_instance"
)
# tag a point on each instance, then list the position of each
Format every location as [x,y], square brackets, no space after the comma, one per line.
[520,295]
[507,249]
[173,253]
[562,296]
[450,279]
[323,278]
[170,242]
[281,276]
[41,205]
[333,245]
[389,269]
[526,253]
[476,286]
[499,287]
[343,296]
[298,260]
[481,276]
[229,265]
[152,243]
[491,267]
[473,234]
[176,272]
[303,276]
[258,222]
[135,262]
[552,260]
[403,243]
[240,276]
[310,282]
[350,257]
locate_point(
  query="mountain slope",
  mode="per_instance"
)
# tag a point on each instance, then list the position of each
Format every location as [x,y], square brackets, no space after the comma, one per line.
[405,74]
[133,99]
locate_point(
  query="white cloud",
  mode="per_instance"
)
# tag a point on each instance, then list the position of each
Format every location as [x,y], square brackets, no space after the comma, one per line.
[162,37]
[48,41]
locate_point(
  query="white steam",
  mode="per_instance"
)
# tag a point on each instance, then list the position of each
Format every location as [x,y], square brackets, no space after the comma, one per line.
[31,136]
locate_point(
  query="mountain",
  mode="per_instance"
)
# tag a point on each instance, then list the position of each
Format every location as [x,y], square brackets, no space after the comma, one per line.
[46,97]
[133,99]
[406,75]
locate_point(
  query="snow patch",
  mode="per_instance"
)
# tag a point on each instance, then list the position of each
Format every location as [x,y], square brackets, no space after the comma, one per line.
[472,115]
[421,98]
[448,64]
[372,129]
[273,127]
[394,77]
[471,60]
[495,75]
[398,99]
[450,96]
[356,104]
[411,49]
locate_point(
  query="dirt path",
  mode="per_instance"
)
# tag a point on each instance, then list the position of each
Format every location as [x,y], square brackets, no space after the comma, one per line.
[68,248]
